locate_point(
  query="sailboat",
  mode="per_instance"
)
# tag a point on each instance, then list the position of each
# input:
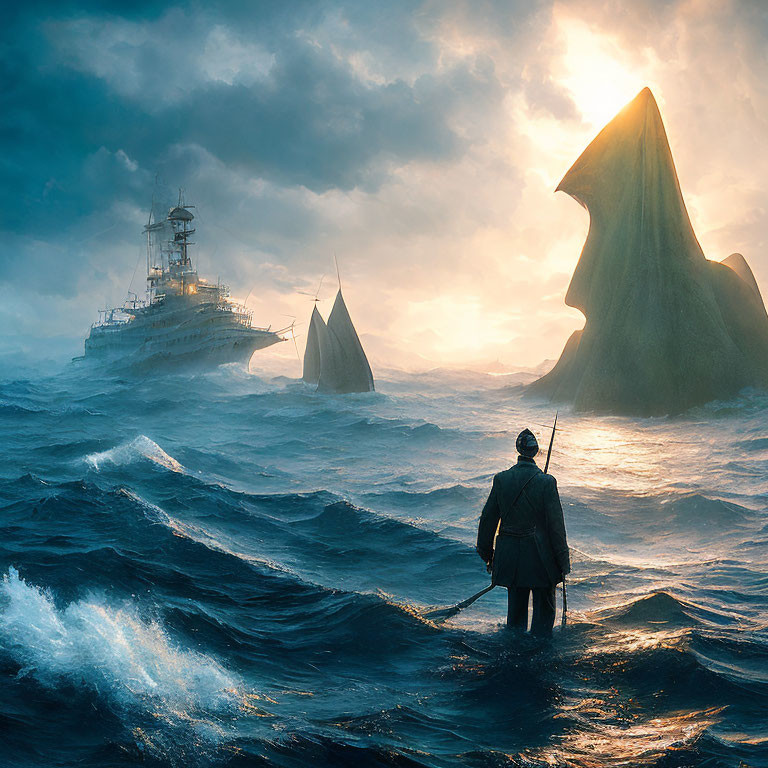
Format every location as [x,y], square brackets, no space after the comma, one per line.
[334,358]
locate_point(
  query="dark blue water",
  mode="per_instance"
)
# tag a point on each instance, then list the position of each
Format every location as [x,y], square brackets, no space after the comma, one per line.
[230,570]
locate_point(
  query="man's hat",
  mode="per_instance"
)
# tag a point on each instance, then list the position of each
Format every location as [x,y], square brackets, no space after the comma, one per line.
[526,444]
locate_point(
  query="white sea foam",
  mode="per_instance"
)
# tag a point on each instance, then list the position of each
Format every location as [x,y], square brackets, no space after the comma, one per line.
[140,447]
[114,651]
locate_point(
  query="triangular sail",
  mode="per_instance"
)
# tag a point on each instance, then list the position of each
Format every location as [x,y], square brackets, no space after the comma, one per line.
[345,367]
[312,358]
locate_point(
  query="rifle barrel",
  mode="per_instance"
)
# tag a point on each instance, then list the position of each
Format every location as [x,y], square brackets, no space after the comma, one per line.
[551,441]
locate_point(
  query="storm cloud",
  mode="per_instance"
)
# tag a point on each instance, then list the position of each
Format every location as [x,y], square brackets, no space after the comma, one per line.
[420,141]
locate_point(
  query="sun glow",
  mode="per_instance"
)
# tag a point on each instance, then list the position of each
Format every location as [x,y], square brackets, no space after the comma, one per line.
[459,326]
[595,72]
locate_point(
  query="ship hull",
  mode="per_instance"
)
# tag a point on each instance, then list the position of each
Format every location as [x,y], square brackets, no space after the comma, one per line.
[177,337]
[209,356]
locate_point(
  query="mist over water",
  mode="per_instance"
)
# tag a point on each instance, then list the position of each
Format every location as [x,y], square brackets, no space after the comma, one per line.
[230,569]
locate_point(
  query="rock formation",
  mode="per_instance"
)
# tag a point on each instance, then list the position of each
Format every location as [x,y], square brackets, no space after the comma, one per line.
[666,329]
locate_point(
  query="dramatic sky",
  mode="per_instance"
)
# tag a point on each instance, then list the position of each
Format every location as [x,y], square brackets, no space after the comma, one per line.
[420,142]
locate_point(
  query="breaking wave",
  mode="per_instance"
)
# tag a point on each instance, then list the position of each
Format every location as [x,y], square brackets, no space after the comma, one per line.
[140,447]
[113,652]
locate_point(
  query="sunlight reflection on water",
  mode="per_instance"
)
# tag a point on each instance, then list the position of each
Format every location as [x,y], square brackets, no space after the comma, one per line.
[615,455]
[597,739]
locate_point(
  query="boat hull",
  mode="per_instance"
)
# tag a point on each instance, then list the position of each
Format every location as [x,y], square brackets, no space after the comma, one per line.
[176,337]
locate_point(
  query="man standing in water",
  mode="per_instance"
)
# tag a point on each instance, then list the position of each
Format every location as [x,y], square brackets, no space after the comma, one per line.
[531,549]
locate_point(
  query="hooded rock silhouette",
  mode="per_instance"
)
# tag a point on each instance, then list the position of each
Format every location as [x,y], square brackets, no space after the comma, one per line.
[665,329]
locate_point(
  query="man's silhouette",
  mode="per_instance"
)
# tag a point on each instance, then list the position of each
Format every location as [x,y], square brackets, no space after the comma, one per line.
[531,548]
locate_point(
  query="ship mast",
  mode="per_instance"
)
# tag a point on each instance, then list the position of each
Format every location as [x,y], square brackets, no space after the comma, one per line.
[180,219]
[175,272]
[148,232]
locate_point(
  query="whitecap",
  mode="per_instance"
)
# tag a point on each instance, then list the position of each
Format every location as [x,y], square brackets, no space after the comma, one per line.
[111,650]
[140,447]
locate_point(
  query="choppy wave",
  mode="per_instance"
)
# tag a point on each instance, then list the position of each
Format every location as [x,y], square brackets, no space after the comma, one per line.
[660,610]
[176,702]
[140,447]
[111,650]
[239,577]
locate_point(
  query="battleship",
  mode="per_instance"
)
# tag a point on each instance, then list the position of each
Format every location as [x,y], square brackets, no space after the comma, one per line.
[184,321]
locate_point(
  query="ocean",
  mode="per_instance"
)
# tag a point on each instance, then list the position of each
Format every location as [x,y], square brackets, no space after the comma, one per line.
[232,570]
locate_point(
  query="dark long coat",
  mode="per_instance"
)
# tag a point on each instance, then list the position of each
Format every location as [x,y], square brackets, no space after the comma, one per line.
[531,548]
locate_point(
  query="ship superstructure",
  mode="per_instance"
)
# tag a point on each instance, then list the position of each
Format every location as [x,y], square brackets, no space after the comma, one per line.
[184,320]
